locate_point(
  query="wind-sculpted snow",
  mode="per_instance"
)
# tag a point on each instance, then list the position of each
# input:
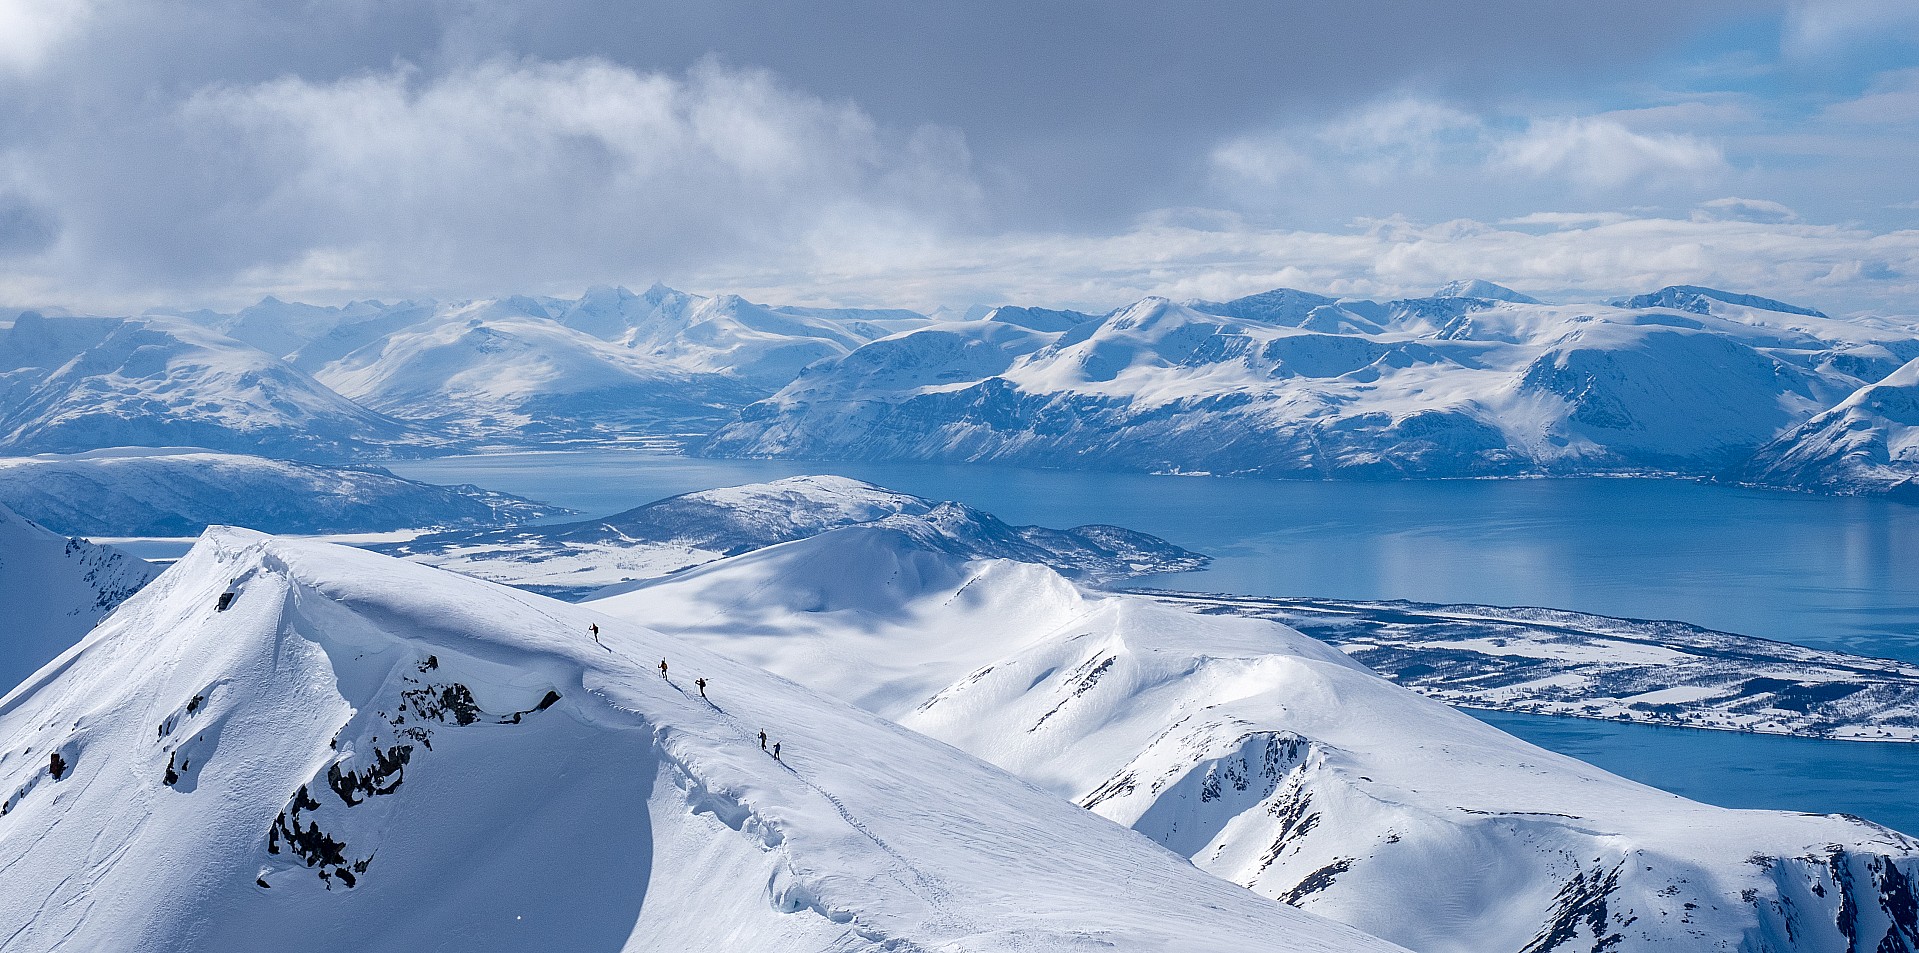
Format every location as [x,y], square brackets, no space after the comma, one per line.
[54,589]
[1275,761]
[1867,445]
[180,492]
[575,559]
[299,747]
[74,384]
[1475,381]
[1555,662]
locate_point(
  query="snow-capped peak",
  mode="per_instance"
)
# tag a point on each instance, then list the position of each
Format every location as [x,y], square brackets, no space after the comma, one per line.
[1480,288]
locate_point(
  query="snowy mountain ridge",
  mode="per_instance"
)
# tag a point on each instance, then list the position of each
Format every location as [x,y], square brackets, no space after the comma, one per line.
[1275,761]
[298,746]
[666,536]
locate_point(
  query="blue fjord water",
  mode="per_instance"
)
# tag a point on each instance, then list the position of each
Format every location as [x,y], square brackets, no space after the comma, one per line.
[1832,573]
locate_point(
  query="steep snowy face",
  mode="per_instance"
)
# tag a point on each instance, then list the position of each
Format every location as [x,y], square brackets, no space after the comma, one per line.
[1868,444]
[1474,382]
[575,559]
[294,746]
[506,370]
[180,492]
[161,381]
[1274,761]
[53,590]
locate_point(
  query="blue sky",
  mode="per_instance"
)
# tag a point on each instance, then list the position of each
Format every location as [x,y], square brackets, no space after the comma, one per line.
[1061,153]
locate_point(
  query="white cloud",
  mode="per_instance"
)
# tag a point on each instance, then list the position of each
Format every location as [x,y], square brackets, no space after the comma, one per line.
[1892,100]
[30,30]
[1566,219]
[1603,152]
[1750,210]
[1398,125]
[1264,162]
[523,173]
[1397,140]
[1837,269]
[1828,28]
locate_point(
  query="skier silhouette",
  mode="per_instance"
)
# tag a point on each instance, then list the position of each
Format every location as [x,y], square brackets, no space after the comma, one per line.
[762,739]
[595,629]
[776,751]
[701,682]
[662,668]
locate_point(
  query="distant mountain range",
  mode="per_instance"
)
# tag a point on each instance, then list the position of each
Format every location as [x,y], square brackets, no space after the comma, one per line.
[181,491]
[1474,380]
[1289,384]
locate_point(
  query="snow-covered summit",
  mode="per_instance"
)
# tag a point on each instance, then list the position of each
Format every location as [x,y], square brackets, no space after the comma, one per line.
[294,746]
[1275,761]
[1481,288]
[693,528]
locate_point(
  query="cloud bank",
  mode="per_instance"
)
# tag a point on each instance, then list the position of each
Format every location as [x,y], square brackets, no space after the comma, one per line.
[206,152]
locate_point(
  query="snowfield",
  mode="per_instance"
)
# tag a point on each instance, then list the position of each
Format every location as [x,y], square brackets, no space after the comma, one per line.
[296,746]
[1275,761]
[181,491]
[576,559]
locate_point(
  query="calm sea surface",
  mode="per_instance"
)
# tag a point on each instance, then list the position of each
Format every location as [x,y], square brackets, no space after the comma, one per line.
[1831,573]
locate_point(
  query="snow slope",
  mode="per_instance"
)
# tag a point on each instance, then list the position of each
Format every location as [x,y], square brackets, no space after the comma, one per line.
[179,492]
[53,589]
[666,536]
[72,384]
[1475,381]
[361,753]
[1275,761]
[1868,444]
